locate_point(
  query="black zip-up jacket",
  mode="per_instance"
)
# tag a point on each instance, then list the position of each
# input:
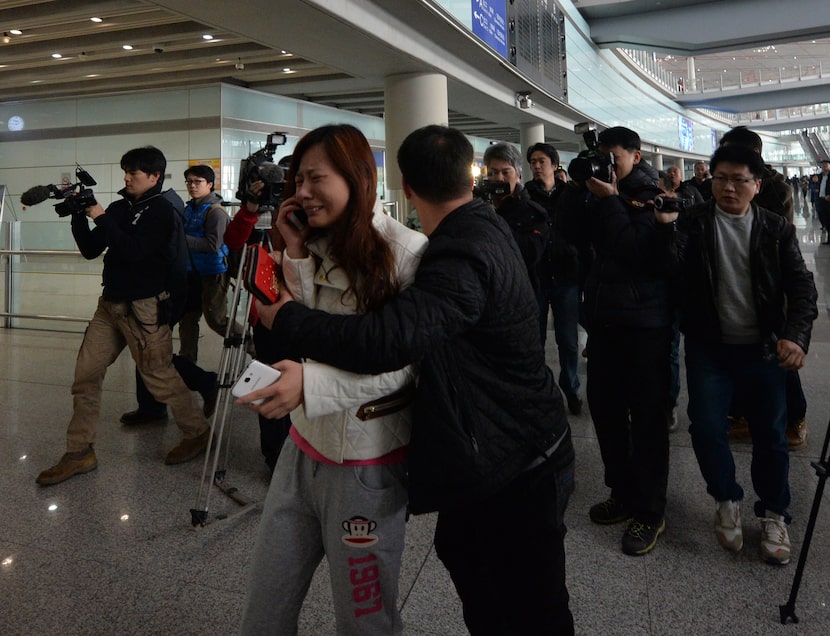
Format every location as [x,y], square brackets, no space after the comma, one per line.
[530,226]
[560,262]
[782,286]
[137,237]
[486,404]
[627,286]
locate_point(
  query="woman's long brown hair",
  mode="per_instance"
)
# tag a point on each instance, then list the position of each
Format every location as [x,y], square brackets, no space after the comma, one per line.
[356,245]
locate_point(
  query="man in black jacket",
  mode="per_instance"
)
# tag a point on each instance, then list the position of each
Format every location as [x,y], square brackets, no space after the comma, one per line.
[558,270]
[775,195]
[527,219]
[490,439]
[701,181]
[747,304]
[138,233]
[629,320]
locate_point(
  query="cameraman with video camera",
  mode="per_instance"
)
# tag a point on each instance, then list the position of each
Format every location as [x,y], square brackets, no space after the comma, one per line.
[528,221]
[241,231]
[143,239]
[627,312]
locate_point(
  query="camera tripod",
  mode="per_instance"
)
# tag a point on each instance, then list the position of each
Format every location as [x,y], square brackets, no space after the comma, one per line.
[787,611]
[231,364]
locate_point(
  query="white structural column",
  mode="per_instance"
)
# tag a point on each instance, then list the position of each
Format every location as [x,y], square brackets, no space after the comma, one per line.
[411,101]
[529,134]
[657,161]
[691,84]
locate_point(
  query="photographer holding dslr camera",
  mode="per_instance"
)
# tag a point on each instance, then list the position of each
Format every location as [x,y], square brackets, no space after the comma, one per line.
[528,221]
[629,321]
[143,239]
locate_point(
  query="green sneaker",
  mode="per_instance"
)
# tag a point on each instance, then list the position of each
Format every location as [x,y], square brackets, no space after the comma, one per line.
[608,512]
[640,537]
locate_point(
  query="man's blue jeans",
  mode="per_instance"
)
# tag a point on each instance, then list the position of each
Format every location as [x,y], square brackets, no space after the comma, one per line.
[716,372]
[564,303]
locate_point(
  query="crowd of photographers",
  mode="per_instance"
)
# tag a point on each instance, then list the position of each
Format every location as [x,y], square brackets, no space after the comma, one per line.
[640,256]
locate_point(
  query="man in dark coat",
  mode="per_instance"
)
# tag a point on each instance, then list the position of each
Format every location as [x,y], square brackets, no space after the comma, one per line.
[558,271]
[775,195]
[629,322]
[748,304]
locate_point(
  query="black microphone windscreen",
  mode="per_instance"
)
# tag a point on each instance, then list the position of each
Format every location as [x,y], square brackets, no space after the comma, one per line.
[271,173]
[35,195]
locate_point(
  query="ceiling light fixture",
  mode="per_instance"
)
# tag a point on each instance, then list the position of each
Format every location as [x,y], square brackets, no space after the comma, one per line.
[57,56]
[127,47]
[207,36]
[15,31]
[96,20]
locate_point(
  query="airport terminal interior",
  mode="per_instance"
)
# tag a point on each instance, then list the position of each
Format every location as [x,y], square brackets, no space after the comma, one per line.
[119,550]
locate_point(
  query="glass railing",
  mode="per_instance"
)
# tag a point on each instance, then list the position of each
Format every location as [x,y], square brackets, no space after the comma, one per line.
[44,285]
[650,66]
[755,78]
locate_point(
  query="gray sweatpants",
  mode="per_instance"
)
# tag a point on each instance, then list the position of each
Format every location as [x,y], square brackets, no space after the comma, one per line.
[355,516]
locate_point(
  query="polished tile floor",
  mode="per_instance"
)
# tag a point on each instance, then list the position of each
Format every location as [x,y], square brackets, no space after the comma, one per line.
[114,551]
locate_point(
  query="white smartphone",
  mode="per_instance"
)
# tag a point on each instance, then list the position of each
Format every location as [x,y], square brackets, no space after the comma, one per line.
[256,376]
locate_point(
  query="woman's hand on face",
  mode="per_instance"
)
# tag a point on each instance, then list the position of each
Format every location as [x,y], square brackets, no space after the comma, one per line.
[294,238]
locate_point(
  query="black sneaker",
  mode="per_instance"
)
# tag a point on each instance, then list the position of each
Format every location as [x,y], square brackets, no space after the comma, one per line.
[608,512]
[640,537]
[137,417]
[575,405]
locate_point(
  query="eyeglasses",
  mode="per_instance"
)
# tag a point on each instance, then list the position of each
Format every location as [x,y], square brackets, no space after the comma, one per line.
[191,182]
[735,181]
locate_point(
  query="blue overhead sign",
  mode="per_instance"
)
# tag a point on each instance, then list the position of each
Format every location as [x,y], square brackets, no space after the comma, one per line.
[490,23]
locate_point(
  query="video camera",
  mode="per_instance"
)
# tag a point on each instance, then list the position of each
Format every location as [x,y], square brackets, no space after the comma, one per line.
[260,166]
[488,190]
[75,198]
[591,163]
[672,204]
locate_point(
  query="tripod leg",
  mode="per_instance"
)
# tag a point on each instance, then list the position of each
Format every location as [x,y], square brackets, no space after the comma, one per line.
[787,611]
[230,367]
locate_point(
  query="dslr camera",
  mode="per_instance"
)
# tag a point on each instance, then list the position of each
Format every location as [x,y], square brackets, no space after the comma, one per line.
[672,204]
[74,198]
[591,162]
[260,166]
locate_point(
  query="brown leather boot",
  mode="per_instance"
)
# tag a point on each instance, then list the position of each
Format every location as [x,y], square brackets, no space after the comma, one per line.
[797,434]
[71,464]
[740,430]
[188,449]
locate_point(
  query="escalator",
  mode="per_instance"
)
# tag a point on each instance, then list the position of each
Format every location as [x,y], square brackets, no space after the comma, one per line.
[819,146]
[809,147]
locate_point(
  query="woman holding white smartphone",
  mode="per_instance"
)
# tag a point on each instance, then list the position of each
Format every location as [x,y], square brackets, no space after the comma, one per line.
[338,488]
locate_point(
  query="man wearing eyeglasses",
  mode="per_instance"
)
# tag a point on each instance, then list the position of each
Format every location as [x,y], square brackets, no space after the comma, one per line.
[775,195]
[205,221]
[747,306]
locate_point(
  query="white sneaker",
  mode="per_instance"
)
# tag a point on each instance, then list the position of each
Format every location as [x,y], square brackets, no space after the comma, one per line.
[728,525]
[775,539]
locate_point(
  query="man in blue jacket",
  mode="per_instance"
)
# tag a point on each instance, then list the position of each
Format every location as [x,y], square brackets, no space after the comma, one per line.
[490,438]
